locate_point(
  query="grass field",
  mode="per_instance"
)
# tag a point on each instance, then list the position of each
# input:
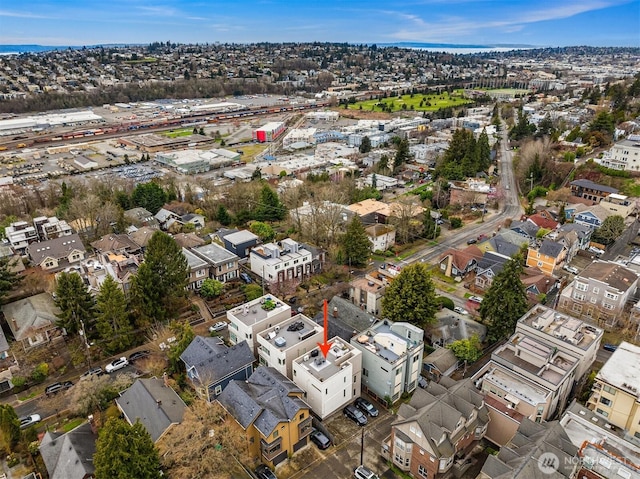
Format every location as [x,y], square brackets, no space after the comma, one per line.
[417,102]
[251,151]
[177,133]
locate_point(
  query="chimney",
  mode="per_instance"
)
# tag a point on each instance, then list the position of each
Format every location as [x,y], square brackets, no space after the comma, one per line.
[165,378]
[92,423]
[335,311]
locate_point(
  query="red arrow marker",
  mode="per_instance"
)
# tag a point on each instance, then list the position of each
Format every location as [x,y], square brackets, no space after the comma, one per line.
[324,347]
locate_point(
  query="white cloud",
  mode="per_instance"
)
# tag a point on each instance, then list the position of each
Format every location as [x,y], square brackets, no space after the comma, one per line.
[4,13]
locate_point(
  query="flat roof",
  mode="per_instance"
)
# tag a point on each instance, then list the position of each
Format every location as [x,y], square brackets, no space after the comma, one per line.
[291,332]
[561,326]
[521,387]
[622,370]
[323,368]
[252,312]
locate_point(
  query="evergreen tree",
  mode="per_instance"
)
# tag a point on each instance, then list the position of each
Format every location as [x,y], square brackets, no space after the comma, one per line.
[365,145]
[431,230]
[356,244]
[223,216]
[74,301]
[257,174]
[461,157]
[402,154]
[149,196]
[270,207]
[483,151]
[184,334]
[411,297]
[9,428]
[159,285]
[505,301]
[8,279]
[112,319]
[125,452]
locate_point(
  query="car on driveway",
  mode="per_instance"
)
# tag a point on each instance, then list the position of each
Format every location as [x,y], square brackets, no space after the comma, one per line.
[219,326]
[460,310]
[28,421]
[246,278]
[263,472]
[355,415]
[363,472]
[320,439]
[116,364]
[366,407]
[609,347]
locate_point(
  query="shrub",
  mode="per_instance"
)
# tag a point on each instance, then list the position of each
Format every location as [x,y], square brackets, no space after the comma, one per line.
[40,372]
[19,381]
[445,302]
[455,222]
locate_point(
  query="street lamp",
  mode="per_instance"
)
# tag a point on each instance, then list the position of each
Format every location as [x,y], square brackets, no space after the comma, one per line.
[83,333]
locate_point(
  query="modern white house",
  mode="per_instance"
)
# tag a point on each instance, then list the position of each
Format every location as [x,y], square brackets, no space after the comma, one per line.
[391,358]
[246,322]
[276,263]
[279,345]
[332,382]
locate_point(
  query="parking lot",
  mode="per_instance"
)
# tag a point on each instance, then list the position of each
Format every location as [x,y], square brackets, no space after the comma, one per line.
[340,460]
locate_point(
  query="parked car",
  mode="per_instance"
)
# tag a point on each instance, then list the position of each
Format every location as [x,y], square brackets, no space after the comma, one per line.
[246,278]
[219,326]
[596,251]
[116,364]
[439,222]
[320,440]
[97,371]
[609,347]
[366,407]
[570,269]
[138,355]
[472,241]
[355,415]
[422,382]
[363,472]
[55,388]
[475,299]
[263,472]
[460,310]
[27,421]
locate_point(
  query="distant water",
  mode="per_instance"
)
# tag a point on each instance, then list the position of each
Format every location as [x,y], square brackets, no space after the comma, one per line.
[458,49]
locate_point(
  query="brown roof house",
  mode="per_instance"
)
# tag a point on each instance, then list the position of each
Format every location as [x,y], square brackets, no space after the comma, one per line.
[458,263]
[58,253]
[33,320]
[436,431]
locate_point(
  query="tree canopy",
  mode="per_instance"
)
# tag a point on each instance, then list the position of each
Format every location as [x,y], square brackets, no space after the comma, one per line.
[9,428]
[468,350]
[149,196]
[211,288]
[465,157]
[112,318]
[411,297]
[356,244]
[125,452]
[8,279]
[610,229]
[505,301]
[159,284]
[74,301]
[270,207]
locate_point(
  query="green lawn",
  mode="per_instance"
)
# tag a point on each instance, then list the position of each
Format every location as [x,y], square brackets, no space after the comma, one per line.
[72,424]
[177,133]
[413,103]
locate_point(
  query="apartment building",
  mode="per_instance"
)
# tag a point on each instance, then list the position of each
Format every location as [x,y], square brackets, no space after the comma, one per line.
[270,409]
[526,377]
[51,228]
[368,291]
[252,318]
[616,391]
[564,332]
[276,263]
[624,155]
[198,270]
[589,190]
[599,293]
[391,358]
[329,382]
[20,234]
[279,345]
[440,424]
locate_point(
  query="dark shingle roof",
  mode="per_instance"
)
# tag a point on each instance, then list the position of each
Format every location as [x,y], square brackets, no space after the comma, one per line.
[57,248]
[213,360]
[550,248]
[69,455]
[346,320]
[593,186]
[156,405]
[615,275]
[266,399]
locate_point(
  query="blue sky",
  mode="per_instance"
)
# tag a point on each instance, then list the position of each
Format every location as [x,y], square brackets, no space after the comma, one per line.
[535,22]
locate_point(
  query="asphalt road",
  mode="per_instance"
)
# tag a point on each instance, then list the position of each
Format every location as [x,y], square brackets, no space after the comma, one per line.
[511,208]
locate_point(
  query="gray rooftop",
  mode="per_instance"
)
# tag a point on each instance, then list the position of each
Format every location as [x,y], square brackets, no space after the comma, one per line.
[194,261]
[213,360]
[323,368]
[622,370]
[70,455]
[550,248]
[214,253]
[286,335]
[345,319]
[239,237]
[266,399]
[154,404]
[57,248]
[252,312]
[593,186]
[31,314]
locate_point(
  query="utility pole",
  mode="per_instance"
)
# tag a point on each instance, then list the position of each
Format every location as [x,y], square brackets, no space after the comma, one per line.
[531,179]
[362,448]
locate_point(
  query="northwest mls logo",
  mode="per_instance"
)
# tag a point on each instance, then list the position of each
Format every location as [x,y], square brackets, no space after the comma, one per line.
[548,463]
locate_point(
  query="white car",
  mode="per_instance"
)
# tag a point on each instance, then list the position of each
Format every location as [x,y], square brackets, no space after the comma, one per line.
[219,326]
[25,422]
[117,364]
[460,310]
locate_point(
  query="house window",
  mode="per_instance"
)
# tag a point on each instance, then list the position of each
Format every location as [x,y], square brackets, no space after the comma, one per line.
[578,296]
[230,265]
[604,413]
[581,286]
[609,390]
[275,434]
[609,295]
[596,290]
[606,401]
[301,416]
[608,306]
